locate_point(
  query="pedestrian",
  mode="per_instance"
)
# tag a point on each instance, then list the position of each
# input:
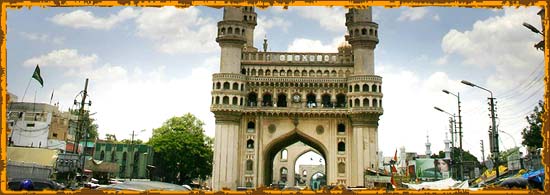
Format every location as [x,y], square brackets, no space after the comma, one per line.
[26,184]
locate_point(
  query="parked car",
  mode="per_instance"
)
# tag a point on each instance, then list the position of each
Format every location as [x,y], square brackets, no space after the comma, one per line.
[115,181]
[39,184]
[91,185]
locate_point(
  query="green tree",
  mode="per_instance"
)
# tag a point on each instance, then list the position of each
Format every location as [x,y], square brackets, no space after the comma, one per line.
[467,156]
[110,137]
[531,134]
[128,141]
[88,125]
[182,151]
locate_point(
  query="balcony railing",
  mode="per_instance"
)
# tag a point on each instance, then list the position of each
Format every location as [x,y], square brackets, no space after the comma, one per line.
[296,58]
[296,109]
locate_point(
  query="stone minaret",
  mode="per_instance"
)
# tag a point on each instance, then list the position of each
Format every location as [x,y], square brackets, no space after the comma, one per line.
[249,19]
[227,84]
[363,36]
[231,37]
[364,94]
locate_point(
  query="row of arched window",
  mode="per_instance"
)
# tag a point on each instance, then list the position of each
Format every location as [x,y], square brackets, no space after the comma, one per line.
[231,30]
[295,73]
[366,103]
[365,88]
[267,101]
[113,156]
[248,9]
[311,100]
[228,86]
[249,18]
[363,31]
[225,100]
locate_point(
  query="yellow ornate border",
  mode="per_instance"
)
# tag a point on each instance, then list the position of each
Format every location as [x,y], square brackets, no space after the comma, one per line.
[218,3]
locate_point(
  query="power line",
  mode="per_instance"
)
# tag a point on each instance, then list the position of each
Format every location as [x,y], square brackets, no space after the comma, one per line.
[506,94]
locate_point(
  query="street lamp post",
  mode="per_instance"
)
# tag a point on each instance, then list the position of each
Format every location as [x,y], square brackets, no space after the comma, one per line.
[460,156]
[539,45]
[493,135]
[515,144]
[452,121]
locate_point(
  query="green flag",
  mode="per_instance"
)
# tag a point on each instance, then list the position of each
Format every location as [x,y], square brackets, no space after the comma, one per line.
[36,75]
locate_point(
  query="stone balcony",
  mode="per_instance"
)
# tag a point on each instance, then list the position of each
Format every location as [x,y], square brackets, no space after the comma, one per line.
[296,110]
[276,79]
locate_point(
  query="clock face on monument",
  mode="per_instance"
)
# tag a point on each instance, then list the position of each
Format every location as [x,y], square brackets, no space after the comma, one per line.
[296,98]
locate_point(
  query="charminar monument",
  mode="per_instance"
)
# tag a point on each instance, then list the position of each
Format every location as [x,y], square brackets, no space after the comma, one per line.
[266,101]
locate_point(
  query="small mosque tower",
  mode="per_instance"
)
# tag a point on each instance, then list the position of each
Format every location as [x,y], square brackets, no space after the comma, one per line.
[447,147]
[428,144]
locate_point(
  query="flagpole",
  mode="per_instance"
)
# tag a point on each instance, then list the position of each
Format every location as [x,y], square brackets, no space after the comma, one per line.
[51,97]
[34,104]
[23,99]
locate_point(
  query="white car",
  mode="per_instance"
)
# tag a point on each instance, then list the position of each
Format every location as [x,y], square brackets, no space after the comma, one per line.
[91,185]
[115,181]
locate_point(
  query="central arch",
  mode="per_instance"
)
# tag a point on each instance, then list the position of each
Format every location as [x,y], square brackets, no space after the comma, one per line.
[282,142]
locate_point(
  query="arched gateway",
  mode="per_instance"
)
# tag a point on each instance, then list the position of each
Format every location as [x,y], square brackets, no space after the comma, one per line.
[265,101]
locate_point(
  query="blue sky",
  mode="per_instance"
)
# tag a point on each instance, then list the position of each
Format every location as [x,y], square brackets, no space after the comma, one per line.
[148,64]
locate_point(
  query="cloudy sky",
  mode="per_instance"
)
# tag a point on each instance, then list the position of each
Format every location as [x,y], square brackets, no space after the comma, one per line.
[146,65]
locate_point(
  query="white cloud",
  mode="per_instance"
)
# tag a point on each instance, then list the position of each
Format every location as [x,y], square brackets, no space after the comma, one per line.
[177,30]
[66,58]
[436,17]
[413,14]
[442,60]
[265,24]
[499,43]
[138,98]
[276,9]
[308,45]
[45,38]
[330,18]
[410,98]
[87,19]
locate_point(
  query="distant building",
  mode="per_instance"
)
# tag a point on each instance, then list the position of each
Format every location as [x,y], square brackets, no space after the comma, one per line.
[38,125]
[313,175]
[132,160]
[12,97]
[285,161]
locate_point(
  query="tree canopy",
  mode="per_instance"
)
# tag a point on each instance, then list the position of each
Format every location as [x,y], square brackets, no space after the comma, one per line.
[88,124]
[182,151]
[531,134]
[466,156]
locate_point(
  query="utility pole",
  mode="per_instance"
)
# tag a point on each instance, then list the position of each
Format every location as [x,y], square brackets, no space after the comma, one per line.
[493,133]
[132,154]
[80,129]
[494,130]
[452,127]
[460,139]
[482,152]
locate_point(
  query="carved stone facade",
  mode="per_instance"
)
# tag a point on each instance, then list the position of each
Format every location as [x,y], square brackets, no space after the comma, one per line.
[266,101]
